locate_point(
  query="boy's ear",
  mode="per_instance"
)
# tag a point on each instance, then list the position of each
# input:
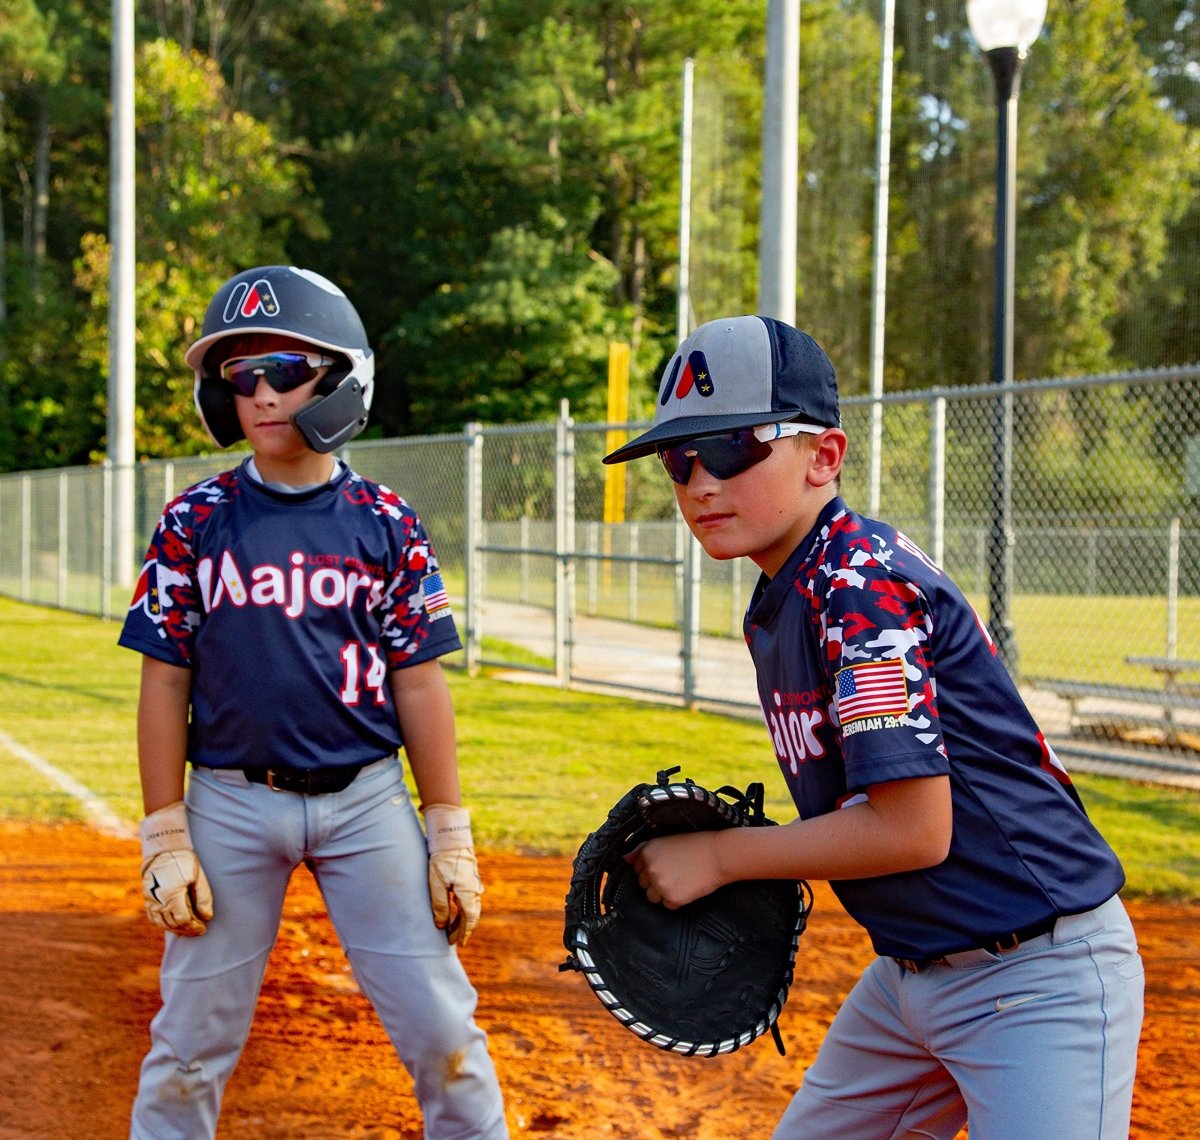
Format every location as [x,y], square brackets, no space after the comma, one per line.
[829,453]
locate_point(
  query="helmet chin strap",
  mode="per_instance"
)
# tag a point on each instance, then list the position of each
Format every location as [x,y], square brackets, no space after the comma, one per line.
[327,422]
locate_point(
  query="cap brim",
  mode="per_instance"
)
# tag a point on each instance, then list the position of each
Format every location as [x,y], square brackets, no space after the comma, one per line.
[690,427]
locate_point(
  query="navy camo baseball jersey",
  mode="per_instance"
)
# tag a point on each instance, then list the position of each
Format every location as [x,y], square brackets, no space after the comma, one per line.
[301,602]
[872,666]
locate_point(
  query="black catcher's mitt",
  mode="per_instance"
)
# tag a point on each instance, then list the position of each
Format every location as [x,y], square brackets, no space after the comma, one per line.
[706,978]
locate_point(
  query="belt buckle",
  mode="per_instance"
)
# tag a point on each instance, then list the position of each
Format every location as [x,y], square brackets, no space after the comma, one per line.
[910,964]
[271,781]
[1005,945]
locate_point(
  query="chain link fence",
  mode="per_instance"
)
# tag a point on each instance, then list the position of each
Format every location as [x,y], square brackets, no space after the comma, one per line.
[1082,516]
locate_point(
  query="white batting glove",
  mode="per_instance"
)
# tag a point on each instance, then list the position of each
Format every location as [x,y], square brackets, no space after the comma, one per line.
[454,883]
[174,886]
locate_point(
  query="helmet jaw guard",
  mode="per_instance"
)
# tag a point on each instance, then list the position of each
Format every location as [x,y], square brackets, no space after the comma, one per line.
[326,422]
[284,300]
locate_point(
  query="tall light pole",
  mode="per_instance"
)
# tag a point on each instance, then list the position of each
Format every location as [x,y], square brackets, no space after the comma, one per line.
[121,296]
[883,166]
[1004,30]
[780,158]
[683,299]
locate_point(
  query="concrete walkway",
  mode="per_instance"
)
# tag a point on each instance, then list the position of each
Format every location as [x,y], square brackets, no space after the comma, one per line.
[646,663]
[644,660]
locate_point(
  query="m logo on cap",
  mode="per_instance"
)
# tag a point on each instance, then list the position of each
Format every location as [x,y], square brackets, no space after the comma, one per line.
[248,300]
[696,375]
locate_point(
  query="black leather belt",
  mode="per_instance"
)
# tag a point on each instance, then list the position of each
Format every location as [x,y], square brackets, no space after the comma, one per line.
[1001,944]
[306,781]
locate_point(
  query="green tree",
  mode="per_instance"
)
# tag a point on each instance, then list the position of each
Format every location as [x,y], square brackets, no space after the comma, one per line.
[1163,326]
[1104,170]
[38,126]
[1111,171]
[942,173]
[496,185]
[530,329]
[214,195]
[464,121]
[839,96]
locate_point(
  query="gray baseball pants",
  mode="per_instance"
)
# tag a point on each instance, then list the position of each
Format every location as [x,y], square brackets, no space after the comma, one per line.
[367,851]
[1037,1044]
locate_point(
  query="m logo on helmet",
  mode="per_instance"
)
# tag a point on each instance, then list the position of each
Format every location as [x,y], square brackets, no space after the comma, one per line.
[695,374]
[246,301]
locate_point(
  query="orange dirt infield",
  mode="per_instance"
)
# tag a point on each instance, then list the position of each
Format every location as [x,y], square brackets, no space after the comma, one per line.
[78,986]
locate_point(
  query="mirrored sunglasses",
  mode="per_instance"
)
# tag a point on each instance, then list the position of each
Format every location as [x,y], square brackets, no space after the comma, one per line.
[282,370]
[724,456]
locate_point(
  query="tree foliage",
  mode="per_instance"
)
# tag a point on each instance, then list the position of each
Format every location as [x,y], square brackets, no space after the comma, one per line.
[496,184]
[213,190]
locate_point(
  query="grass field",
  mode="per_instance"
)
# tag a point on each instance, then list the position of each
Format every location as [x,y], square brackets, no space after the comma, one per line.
[540,766]
[1081,637]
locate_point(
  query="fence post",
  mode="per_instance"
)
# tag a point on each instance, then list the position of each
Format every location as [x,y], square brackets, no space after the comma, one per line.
[26,535]
[473,539]
[1173,587]
[564,543]
[61,586]
[690,642]
[106,579]
[937,481]
[593,568]
[526,542]
[736,610]
[634,550]
[681,537]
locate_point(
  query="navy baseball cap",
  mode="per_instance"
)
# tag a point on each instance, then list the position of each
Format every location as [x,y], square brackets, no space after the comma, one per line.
[739,372]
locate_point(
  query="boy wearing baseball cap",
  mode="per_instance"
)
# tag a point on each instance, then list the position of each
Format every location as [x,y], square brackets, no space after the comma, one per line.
[1008,987]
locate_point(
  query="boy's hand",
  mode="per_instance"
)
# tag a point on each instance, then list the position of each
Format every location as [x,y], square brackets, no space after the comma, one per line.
[174,886]
[454,884]
[678,869]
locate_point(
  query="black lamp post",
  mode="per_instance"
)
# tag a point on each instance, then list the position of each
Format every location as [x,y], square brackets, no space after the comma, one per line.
[1004,29]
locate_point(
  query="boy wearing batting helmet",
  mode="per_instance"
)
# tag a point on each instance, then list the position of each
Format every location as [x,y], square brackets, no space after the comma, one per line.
[291,615]
[1008,988]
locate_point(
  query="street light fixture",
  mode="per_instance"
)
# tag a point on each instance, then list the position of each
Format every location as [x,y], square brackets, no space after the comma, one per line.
[1004,30]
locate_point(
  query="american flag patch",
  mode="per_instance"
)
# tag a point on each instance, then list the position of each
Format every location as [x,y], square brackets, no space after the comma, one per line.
[433,594]
[874,688]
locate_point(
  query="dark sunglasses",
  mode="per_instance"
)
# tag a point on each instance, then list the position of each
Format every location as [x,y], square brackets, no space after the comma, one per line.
[724,456]
[282,370]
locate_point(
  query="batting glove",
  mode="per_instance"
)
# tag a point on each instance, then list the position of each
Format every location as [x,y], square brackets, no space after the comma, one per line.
[454,884]
[174,886]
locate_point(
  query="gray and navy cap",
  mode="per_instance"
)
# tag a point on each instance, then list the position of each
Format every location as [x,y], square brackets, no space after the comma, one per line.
[739,372]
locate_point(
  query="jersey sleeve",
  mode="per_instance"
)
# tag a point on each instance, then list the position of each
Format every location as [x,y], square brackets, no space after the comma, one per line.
[417,620]
[164,612]
[879,629]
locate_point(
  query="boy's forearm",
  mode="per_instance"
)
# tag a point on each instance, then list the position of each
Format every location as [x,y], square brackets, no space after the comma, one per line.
[905,825]
[426,714]
[162,732]
[902,827]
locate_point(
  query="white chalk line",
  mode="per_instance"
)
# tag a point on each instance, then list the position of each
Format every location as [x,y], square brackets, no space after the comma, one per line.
[99,815]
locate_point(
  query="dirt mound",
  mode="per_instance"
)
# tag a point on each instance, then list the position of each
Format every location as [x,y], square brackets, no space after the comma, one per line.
[78,986]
